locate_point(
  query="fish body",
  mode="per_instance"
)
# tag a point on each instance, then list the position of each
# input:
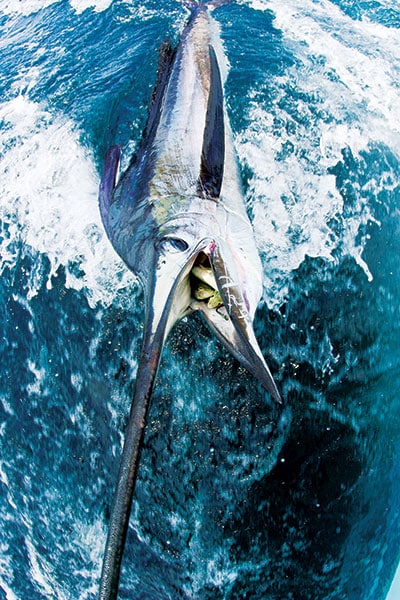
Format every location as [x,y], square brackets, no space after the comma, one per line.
[178,220]
[180,201]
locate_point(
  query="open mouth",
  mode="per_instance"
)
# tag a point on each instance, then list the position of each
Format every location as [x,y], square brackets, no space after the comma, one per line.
[203,284]
[206,282]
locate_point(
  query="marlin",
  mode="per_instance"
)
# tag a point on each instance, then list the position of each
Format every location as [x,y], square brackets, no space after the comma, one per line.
[178,220]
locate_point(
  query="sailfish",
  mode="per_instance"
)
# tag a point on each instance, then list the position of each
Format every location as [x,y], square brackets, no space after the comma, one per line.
[178,220]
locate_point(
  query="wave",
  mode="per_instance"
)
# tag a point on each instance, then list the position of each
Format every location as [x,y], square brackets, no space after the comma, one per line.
[318,146]
[340,95]
[48,189]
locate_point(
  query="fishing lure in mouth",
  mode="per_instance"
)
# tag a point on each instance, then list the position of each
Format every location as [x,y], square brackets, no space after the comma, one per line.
[178,220]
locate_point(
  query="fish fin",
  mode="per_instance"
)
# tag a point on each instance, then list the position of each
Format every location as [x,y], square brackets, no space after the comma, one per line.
[213,151]
[165,61]
[108,181]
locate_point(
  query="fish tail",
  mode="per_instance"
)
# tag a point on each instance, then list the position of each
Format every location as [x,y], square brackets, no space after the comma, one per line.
[195,4]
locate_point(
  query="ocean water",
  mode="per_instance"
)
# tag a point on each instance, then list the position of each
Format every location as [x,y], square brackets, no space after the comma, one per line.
[234,499]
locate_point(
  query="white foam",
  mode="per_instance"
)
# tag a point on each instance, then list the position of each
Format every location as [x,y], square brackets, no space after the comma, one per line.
[48,200]
[90,538]
[349,72]
[28,7]
[40,376]
[208,570]
[4,587]
[98,5]
[24,7]
[41,572]
[364,57]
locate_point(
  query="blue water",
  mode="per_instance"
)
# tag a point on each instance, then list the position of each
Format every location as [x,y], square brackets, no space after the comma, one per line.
[234,499]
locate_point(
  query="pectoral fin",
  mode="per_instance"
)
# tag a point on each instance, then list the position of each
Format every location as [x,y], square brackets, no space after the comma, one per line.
[108,181]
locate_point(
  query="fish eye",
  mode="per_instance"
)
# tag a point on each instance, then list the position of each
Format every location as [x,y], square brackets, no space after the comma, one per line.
[173,244]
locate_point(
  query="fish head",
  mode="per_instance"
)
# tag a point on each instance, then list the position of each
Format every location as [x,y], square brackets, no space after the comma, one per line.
[194,270]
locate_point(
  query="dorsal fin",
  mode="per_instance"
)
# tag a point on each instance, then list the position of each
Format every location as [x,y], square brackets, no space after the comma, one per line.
[165,60]
[213,151]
